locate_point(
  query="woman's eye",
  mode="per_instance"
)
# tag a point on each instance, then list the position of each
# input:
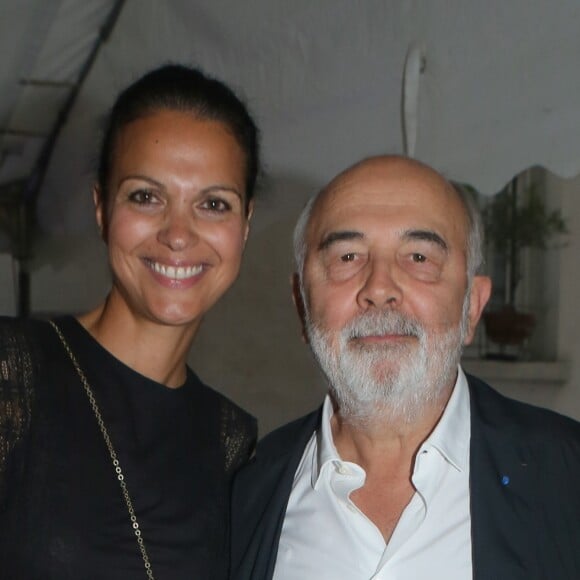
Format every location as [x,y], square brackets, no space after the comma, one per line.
[143,197]
[419,258]
[348,257]
[217,205]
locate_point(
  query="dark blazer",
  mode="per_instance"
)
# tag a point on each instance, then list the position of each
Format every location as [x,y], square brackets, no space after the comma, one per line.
[525,492]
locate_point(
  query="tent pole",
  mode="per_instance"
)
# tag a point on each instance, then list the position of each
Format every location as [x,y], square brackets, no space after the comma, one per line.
[36,179]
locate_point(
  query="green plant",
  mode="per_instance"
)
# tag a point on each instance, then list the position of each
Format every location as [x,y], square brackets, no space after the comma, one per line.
[515,220]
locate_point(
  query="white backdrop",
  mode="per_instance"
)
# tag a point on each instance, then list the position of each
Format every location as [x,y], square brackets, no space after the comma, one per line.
[498,92]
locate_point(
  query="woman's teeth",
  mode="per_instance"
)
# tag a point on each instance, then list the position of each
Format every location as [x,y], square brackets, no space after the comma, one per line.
[176,272]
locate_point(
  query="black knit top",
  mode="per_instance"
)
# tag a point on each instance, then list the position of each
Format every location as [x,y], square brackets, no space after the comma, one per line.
[62,515]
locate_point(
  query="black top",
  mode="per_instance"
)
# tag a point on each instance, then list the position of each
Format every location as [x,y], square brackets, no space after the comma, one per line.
[62,514]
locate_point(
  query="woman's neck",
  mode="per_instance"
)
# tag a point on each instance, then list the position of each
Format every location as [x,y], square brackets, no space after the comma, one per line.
[156,351]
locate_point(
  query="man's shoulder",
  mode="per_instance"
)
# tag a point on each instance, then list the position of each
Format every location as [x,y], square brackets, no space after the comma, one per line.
[278,453]
[501,412]
[289,436]
[262,487]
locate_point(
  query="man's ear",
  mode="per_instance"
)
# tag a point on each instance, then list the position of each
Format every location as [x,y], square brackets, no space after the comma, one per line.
[100,211]
[478,298]
[299,304]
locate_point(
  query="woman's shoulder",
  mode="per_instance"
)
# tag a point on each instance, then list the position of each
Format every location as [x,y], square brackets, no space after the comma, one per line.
[218,399]
[22,343]
[21,330]
[238,428]
[19,362]
[239,434]
[236,418]
[19,339]
[22,352]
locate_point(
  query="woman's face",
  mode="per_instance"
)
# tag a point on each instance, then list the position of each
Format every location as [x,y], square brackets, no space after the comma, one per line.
[175,219]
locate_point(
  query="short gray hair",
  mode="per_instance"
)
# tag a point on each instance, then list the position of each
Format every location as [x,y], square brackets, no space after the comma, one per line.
[475,231]
[300,235]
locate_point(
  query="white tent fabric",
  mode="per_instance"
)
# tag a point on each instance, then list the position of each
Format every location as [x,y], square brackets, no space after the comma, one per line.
[45,45]
[498,84]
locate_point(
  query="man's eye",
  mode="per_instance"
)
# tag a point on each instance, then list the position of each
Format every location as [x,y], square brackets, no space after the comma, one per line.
[419,258]
[142,197]
[348,257]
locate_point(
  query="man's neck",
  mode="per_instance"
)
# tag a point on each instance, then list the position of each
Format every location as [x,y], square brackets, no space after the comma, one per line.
[385,437]
[385,447]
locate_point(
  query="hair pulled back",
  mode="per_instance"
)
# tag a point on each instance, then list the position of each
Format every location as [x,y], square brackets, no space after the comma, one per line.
[182,89]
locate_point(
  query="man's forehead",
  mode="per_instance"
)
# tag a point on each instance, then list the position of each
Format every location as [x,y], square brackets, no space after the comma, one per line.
[371,191]
[386,189]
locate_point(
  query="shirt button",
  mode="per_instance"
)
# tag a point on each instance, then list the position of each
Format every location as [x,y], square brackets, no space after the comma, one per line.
[342,469]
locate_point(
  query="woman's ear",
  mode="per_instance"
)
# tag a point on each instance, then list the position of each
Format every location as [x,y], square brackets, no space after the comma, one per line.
[249,214]
[100,211]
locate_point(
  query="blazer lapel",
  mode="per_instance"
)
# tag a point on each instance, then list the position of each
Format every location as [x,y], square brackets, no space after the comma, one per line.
[260,497]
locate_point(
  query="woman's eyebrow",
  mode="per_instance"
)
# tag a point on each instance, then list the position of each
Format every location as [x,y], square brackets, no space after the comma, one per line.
[223,187]
[139,177]
[339,236]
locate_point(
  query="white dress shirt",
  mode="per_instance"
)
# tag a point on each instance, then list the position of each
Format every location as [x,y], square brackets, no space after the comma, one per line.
[326,537]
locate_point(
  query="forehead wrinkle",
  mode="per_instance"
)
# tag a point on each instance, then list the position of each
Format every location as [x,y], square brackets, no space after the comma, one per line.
[339,236]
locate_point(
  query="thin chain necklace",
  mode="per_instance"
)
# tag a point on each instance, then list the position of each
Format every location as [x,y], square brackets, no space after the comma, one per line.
[112,453]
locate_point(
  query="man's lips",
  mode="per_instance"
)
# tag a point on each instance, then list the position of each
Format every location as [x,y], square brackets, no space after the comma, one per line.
[382,338]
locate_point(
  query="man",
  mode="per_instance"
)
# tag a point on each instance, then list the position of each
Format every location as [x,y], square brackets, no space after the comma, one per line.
[410,469]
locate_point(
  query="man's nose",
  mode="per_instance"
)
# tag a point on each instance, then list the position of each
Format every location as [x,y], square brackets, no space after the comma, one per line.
[380,288]
[178,230]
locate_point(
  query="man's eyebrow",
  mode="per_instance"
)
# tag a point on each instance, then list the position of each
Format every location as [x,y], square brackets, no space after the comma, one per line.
[426,236]
[339,236]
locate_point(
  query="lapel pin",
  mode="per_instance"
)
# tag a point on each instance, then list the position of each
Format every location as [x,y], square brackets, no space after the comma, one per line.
[505,480]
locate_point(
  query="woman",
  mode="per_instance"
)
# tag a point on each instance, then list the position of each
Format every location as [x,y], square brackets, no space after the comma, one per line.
[115,460]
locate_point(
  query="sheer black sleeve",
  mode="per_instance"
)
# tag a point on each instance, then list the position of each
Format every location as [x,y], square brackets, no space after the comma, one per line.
[16,389]
[239,434]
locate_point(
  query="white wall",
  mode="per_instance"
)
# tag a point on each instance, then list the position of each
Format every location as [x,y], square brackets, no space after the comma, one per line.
[567,399]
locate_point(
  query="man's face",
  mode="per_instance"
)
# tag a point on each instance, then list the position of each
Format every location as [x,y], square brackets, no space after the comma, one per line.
[385,281]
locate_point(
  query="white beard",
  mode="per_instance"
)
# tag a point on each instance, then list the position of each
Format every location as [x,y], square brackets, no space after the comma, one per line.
[385,381]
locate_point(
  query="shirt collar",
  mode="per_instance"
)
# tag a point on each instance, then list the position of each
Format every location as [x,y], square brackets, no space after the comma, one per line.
[450,436]
[325,450]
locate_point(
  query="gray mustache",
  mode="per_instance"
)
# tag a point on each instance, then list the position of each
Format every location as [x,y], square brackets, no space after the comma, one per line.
[384,322]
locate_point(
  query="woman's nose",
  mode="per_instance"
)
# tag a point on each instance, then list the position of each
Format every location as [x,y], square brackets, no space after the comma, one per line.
[380,289]
[178,231]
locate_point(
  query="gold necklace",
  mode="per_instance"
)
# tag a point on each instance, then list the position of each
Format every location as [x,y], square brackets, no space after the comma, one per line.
[112,453]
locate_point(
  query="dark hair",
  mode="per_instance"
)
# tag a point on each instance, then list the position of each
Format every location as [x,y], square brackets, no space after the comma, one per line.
[183,89]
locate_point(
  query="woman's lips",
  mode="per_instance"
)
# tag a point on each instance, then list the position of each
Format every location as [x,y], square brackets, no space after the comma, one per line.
[175,272]
[175,276]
